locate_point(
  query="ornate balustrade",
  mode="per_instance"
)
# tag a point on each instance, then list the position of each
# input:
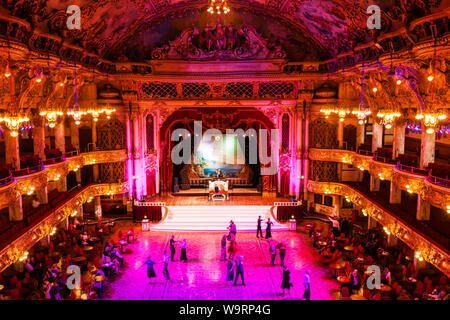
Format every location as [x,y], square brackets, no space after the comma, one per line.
[429,188]
[429,250]
[24,184]
[30,236]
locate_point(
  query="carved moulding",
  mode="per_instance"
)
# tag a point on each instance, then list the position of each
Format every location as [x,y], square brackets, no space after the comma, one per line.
[33,181]
[14,251]
[438,196]
[108,156]
[9,194]
[57,171]
[429,251]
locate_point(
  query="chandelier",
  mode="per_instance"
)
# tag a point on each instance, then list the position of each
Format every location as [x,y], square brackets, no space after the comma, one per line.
[218,7]
[388,118]
[11,118]
[51,117]
[431,120]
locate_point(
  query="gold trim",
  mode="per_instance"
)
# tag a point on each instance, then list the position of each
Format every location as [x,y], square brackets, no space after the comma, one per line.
[15,250]
[430,252]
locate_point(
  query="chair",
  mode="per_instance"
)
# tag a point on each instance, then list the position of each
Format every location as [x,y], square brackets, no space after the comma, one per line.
[367,294]
[420,287]
[345,293]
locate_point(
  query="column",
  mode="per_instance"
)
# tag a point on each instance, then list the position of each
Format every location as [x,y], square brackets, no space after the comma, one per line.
[377,137]
[61,185]
[371,223]
[74,135]
[305,158]
[39,138]
[42,195]
[337,205]
[15,210]
[136,156]
[374,183]
[398,146]
[360,133]
[392,241]
[129,167]
[395,195]
[340,134]
[80,212]
[143,152]
[60,136]
[157,150]
[95,168]
[12,154]
[98,208]
[298,158]
[427,148]
[423,209]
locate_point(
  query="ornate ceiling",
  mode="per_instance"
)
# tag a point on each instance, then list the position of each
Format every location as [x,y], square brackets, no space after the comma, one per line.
[307,29]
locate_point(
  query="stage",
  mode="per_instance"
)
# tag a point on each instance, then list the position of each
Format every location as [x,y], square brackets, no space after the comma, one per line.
[201,199]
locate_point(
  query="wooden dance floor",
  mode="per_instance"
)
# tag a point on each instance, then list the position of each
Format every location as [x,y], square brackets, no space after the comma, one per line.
[203,276]
[202,200]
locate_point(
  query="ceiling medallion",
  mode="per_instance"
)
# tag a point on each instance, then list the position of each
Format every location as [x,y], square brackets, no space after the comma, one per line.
[218,7]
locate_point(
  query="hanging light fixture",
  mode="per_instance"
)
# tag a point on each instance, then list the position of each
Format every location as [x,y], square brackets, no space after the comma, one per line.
[12,118]
[218,7]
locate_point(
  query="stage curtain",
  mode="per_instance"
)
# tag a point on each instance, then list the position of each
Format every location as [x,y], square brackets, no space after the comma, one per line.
[151,186]
[284,213]
[284,187]
[153,213]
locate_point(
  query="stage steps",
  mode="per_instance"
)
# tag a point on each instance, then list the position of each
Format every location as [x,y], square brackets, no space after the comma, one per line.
[215,218]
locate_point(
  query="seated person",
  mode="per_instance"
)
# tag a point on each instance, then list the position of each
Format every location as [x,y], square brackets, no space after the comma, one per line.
[98,285]
[115,254]
[106,264]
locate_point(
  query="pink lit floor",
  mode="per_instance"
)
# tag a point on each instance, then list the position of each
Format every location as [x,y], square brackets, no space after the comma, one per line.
[203,276]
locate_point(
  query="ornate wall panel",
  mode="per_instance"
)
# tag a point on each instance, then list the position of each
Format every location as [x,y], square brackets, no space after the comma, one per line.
[111,135]
[112,172]
[322,134]
[324,171]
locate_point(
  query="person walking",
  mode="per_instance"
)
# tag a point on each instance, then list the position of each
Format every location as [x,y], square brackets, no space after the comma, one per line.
[150,269]
[307,284]
[286,282]
[258,227]
[166,260]
[183,256]
[269,229]
[223,248]
[273,252]
[230,270]
[282,251]
[232,228]
[172,247]
[239,266]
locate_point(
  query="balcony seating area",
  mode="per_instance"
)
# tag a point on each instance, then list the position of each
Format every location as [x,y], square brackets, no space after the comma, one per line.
[406,211]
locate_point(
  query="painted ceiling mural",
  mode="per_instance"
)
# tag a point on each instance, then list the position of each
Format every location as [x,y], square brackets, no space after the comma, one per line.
[131,29]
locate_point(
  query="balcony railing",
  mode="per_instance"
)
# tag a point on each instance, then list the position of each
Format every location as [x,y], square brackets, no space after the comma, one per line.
[28,170]
[7,180]
[413,170]
[51,161]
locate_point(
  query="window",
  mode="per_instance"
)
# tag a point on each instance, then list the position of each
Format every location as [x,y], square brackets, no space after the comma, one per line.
[328,201]
[318,198]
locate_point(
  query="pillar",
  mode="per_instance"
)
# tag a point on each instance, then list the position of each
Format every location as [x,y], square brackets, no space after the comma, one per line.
[374,183]
[42,195]
[337,205]
[60,136]
[129,162]
[423,209]
[74,135]
[12,154]
[340,134]
[398,146]
[61,184]
[371,223]
[305,158]
[15,210]
[138,170]
[299,150]
[395,195]
[427,148]
[78,176]
[80,212]
[392,241]
[39,138]
[360,134]
[94,134]
[377,137]
[98,208]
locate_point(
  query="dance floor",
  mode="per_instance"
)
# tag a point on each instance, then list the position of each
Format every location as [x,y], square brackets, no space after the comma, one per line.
[202,200]
[203,276]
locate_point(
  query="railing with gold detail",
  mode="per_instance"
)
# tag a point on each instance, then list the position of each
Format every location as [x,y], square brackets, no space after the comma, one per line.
[32,234]
[430,251]
[419,181]
[54,171]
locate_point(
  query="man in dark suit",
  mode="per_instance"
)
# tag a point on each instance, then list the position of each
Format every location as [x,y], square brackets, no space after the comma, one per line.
[259,228]
[239,270]
[172,247]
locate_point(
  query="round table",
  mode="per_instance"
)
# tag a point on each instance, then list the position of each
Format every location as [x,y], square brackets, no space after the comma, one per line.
[343,279]
[327,254]
[341,239]
[321,243]
[79,259]
[100,278]
[357,297]
[2,287]
[88,248]
[348,248]
[409,258]
[64,244]
[94,239]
